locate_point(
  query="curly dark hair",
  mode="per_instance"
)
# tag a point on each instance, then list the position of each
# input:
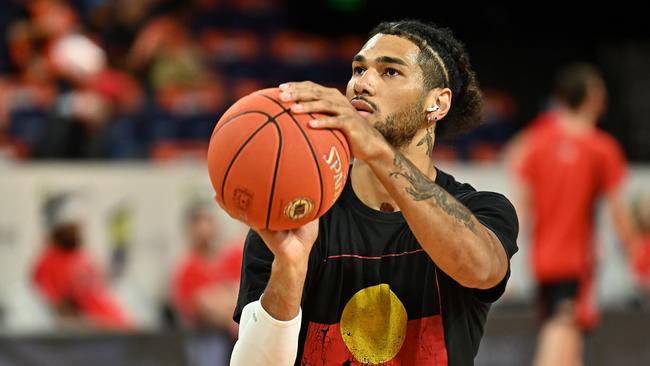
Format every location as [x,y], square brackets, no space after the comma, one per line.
[445,63]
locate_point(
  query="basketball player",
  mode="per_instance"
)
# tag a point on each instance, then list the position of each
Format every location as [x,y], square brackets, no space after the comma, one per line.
[567,165]
[403,268]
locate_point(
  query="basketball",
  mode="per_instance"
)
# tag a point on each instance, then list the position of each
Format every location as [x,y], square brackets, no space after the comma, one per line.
[269,169]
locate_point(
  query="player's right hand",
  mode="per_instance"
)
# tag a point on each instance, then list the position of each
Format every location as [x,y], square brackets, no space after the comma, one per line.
[291,247]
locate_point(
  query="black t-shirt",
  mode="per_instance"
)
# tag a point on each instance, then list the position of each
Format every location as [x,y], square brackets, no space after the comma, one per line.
[373,296]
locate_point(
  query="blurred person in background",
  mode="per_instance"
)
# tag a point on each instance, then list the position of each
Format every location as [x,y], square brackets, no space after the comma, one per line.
[166,55]
[641,210]
[207,280]
[63,98]
[205,286]
[29,91]
[69,279]
[566,164]
[93,95]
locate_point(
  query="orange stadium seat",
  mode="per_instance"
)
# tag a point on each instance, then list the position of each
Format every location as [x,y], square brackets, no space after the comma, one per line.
[230,45]
[299,48]
[172,150]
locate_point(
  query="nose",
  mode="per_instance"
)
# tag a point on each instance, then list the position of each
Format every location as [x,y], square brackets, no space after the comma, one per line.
[365,84]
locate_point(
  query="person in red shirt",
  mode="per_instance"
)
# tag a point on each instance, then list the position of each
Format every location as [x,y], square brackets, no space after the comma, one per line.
[567,165]
[641,210]
[207,280]
[68,278]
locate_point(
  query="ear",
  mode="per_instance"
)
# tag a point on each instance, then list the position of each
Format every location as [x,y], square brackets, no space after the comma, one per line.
[440,97]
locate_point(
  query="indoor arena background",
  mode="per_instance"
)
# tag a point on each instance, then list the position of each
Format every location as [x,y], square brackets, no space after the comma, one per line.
[107,106]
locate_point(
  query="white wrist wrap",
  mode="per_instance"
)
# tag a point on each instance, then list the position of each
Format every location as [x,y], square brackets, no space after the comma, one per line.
[264,340]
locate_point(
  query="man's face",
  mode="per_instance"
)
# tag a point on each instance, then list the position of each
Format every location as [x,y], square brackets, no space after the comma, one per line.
[203,230]
[67,236]
[386,87]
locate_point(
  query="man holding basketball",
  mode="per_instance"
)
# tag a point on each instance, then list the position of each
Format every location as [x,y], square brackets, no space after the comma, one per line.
[403,268]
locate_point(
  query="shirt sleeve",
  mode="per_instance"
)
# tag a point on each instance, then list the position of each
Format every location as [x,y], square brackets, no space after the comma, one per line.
[614,165]
[255,272]
[495,212]
[524,165]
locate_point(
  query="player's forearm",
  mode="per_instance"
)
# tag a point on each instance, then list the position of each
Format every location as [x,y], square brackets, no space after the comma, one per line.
[283,292]
[623,224]
[445,228]
[269,329]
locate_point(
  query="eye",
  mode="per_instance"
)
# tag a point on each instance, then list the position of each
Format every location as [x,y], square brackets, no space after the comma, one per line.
[389,71]
[357,70]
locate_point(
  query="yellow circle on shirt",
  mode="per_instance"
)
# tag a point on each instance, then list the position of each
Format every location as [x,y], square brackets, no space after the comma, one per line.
[373,324]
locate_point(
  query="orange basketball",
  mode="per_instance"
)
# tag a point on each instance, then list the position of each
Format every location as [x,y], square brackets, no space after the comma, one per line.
[271,170]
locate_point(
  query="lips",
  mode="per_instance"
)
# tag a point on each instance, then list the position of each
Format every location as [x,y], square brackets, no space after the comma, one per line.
[364,108]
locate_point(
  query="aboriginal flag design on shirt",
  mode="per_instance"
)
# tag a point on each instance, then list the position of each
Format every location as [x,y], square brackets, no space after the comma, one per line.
[374,297]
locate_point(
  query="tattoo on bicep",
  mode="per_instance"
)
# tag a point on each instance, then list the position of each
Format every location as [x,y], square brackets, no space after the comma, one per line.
[422,188]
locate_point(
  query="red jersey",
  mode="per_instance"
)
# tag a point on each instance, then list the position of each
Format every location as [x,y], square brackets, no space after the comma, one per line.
[70,277]
[566,174]
[546,121]
[642,262]
[196,273]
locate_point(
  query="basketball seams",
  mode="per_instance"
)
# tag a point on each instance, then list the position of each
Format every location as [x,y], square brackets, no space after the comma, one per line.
[347,153]
[236,155]
[311,148]
[231,119]
[275,172]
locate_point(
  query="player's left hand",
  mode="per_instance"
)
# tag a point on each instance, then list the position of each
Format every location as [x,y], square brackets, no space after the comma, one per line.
[365,141]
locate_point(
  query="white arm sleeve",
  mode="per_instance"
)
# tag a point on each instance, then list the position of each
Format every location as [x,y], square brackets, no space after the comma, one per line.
[264,340]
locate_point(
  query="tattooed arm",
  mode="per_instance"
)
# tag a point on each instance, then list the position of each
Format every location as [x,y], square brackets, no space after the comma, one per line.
[462,247]
[456,241]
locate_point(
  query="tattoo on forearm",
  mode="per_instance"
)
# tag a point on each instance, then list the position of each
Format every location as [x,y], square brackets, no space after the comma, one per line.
[428,138]
[422,188]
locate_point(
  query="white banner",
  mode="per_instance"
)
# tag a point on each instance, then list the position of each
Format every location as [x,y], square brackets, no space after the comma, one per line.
[141,206]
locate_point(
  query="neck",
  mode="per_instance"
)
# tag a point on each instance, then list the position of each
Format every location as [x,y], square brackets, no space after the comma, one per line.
[369,188]
[203,249]
[579,120]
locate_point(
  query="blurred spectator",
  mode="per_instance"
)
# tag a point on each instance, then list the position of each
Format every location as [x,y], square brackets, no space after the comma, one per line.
[207,279]
[566,165]
[187,92]
[146,78]
[69,279]
[28,92]
[63,100]
[641,210]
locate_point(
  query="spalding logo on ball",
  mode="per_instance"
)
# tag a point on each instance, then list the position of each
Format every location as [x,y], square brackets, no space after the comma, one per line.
[271,170]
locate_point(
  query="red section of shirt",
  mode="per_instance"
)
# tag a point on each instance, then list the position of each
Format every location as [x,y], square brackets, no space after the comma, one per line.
[424,344]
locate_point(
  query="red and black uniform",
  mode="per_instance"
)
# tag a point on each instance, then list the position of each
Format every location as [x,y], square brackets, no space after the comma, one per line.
[566,174]
[373,296]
